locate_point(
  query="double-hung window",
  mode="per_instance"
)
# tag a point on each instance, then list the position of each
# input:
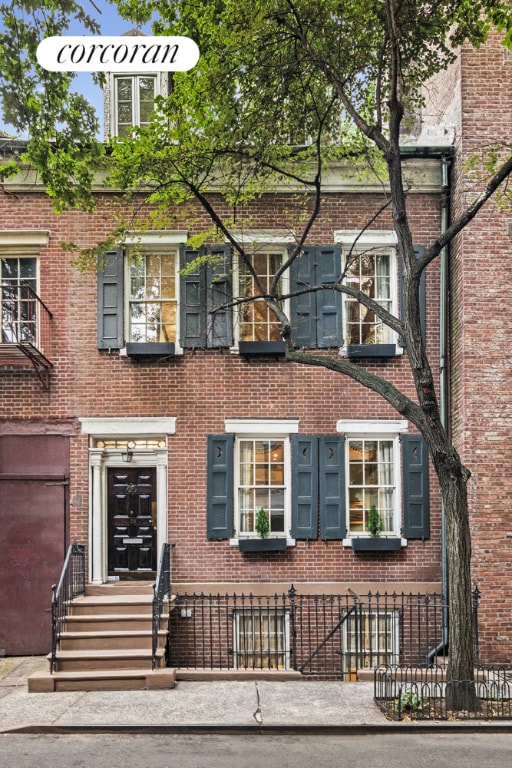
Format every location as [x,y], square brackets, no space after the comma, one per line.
[19,299]
[261,477]
[371,273]
[257,322]
[153,298]
[373,471]
[369,265]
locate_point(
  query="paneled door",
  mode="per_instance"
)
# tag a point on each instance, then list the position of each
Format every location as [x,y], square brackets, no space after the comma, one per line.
[131,521]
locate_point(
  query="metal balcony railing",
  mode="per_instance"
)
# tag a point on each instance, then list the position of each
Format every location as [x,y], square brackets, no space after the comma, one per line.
[26,329]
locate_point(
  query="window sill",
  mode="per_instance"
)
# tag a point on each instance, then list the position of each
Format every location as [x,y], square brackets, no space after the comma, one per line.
[147,349]
[380,544]
[362,351]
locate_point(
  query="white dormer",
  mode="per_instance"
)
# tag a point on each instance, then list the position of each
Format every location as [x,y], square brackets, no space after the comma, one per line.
[129,98]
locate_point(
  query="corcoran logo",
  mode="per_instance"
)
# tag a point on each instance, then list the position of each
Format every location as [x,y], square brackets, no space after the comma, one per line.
[117,54]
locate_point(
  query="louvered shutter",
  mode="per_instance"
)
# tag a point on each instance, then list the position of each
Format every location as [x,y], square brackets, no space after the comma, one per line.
[110,284]
[415,487]
[192,301]
[219,282]
[219,496]
[304,487]
[331,457]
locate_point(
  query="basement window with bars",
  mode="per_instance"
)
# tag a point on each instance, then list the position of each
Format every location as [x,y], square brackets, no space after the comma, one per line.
[371,639]
[261,639]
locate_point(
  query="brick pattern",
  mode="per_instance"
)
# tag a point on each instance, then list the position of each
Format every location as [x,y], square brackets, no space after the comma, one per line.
[202,388]
[482,325]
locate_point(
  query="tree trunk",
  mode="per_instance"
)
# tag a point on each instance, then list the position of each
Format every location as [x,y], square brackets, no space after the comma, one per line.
[460,691]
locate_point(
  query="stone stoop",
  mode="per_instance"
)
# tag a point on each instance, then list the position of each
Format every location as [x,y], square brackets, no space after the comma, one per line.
[106,643]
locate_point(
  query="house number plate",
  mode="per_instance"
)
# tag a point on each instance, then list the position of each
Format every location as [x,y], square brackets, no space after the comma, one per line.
[132,541]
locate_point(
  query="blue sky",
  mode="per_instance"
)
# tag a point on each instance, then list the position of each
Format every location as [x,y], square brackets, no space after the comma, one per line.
[111,24]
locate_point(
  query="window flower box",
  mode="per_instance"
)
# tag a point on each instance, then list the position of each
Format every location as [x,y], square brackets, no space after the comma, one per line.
[380,544]
[261,348]
[262,545]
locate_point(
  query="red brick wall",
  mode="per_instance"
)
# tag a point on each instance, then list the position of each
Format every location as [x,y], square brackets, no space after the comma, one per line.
[482,336]
[202,388]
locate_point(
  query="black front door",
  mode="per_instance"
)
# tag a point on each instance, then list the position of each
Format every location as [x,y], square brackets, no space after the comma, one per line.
[131,521]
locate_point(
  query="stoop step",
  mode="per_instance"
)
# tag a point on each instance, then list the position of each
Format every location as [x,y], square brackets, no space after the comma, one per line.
[107,680]
[106,643]
[107,659]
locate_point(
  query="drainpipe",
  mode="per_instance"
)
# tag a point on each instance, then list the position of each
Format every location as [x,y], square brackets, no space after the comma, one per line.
[443,342]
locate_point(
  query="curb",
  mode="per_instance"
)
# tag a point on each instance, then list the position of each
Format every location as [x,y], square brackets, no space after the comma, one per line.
[319,730]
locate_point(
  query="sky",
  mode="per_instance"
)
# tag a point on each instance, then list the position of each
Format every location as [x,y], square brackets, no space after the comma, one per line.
[111,24]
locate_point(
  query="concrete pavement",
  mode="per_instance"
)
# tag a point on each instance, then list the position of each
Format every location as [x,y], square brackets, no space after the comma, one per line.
[331,706]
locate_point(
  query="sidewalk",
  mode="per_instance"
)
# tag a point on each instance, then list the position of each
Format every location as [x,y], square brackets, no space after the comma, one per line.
[237,705]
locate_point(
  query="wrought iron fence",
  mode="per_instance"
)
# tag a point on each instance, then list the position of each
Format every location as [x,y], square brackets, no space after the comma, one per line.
[71,584]
[415,693]
[161,591]
[319,635]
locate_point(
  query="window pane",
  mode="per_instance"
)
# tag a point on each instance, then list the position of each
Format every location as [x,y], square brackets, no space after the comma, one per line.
[257,321]
[153,309]
[371,480]
[124,88]
[371,274]
[261,483]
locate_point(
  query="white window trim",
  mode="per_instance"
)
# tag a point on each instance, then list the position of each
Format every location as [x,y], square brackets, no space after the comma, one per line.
[113,113]
[378,240]
[154,241]
[257,427]
[269,241]
[268,428]
[23,242]
[373,428]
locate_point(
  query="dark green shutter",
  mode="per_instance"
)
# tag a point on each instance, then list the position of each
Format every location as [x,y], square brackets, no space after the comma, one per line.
[419,250]
[303,306]
[415,487]
[304,487]
[219,282]
[316,316]
[192,302]
[328,265]
[219,495]
[111,300]
[331,456]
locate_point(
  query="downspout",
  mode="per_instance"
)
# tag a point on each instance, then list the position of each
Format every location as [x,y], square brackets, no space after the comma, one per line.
[443,347]
[443,385]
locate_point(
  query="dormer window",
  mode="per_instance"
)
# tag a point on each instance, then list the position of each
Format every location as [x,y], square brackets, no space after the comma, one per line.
[134,101]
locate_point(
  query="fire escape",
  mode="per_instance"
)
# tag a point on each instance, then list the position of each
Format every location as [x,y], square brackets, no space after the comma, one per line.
[26,328]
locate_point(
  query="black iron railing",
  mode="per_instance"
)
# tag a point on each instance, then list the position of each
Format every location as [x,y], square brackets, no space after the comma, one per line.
[25,318]
[161,591]
[71,584]
[319,635]
[416,693]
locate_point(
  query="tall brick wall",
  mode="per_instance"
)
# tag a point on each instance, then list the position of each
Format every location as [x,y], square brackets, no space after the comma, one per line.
[482,333]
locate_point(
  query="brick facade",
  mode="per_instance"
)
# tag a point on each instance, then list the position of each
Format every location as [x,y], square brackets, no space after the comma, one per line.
[481,329]
[201,388]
